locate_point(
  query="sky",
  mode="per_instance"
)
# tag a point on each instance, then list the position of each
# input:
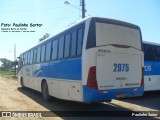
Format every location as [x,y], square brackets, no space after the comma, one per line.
[54,16]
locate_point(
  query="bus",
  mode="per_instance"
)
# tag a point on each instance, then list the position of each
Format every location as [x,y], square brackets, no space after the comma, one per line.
[151,66]
[96,59]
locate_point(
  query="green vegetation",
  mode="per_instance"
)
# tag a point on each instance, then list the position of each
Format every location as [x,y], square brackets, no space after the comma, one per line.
[2,72]
[44,37]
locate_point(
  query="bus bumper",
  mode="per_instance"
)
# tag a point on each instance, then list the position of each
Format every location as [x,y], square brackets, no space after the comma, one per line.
[92,95]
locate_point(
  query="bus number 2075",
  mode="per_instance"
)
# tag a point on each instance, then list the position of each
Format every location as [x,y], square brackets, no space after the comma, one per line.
[118,67]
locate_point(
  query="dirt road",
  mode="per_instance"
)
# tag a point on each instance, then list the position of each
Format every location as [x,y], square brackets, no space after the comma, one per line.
[13,98]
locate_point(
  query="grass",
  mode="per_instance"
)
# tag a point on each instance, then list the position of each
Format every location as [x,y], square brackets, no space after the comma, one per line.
[6,72]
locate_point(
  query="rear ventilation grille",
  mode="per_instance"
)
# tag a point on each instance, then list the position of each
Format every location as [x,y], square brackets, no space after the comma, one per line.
[120,46]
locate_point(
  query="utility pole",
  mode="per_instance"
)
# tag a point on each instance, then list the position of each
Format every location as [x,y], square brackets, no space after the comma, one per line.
[83,8]
[14,59]
[82,3]
[14,52]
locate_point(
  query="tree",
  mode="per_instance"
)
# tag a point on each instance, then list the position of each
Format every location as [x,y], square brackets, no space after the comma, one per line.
[44,37]
[6,64]
[14,68]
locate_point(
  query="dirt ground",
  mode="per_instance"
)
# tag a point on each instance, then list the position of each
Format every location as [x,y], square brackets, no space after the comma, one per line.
[13,98]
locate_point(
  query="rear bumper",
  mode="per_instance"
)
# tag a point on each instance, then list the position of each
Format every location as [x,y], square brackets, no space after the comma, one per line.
[92,95]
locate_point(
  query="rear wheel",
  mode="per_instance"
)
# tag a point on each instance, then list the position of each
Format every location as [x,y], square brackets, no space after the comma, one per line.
[22,83]
[108,101]
[45,93]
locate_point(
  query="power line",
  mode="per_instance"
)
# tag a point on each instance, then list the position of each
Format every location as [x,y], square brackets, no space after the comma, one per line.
[32,9]
[26,3]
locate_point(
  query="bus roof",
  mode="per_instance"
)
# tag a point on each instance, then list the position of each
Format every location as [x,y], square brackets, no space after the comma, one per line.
[151,43]
[108,20]
[102,19]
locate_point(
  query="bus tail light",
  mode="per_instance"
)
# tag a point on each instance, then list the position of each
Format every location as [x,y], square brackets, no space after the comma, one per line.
[92,79]
[142,80]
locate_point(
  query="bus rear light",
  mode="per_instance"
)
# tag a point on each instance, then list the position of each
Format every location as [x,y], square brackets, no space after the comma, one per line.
[142,80]
[92,79]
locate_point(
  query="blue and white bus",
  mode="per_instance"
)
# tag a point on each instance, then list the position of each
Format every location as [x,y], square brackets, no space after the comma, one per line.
[151,66]
[96,59]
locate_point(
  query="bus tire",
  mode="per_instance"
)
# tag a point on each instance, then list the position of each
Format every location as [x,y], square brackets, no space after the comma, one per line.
[108,101]
[45,93]
[22,83]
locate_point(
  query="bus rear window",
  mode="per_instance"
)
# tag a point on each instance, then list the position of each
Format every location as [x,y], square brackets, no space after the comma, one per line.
[115,34]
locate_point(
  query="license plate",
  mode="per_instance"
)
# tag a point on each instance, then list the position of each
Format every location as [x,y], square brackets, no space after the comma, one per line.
[120,95]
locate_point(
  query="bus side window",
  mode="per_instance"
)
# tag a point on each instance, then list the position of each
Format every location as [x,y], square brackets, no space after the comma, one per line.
[43,53]
[35,56]
[39,54]
[67,46]
[73,43]
[153,53]
[28,61]
[80,40]
[54,49]
[158,53]
[48,51]
[146,52]
[150,53]
[31,57]
[21,61]
[26,58]
[61,48]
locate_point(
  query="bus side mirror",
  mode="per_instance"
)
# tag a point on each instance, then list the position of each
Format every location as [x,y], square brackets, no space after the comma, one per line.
[18,58]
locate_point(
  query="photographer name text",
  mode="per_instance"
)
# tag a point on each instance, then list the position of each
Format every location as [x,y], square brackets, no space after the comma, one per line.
[19,27]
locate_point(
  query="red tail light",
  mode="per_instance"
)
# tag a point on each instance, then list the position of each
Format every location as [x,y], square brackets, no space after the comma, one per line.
[142,80]
[92,79]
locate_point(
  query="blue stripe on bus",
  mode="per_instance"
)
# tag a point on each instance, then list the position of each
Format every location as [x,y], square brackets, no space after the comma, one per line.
[151,68]
[70,69]
[92,95]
